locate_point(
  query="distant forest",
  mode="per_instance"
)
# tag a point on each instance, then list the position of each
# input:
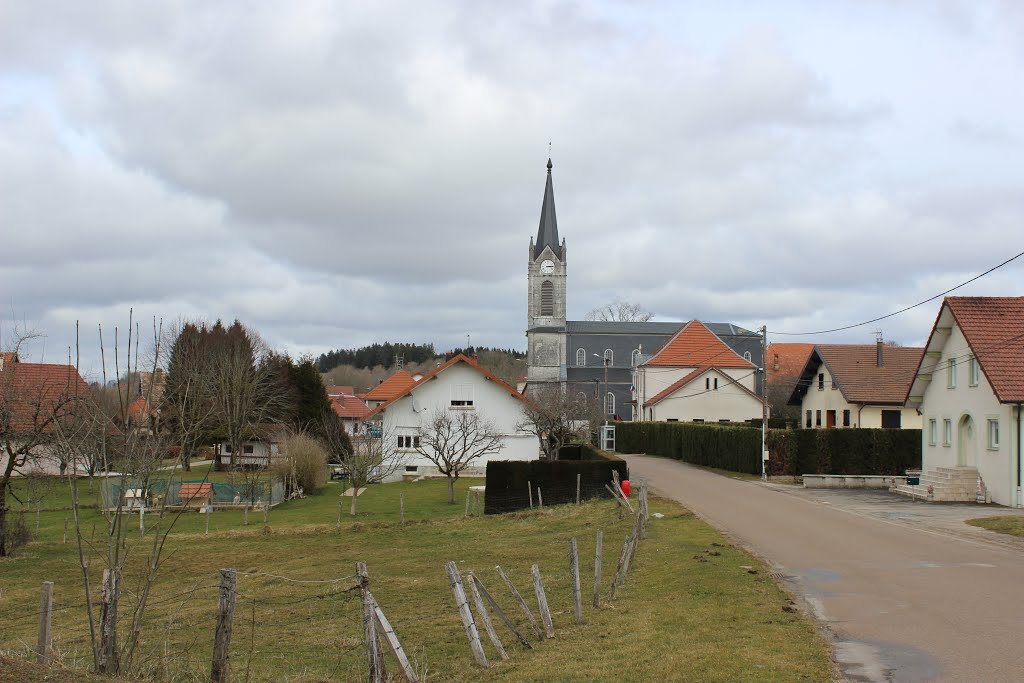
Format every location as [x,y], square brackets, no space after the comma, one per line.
[384,355]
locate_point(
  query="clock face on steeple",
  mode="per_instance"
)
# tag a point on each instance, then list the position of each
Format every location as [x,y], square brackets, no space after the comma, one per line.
[547,266]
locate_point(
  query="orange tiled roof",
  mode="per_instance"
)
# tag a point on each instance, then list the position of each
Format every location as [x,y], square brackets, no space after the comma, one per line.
[437,371]
[35,391]
[192,491]
[340,390]
[349,406]
[855,368]
[994,327]
[694,345]
[676,386]
[395,385]
[787,360]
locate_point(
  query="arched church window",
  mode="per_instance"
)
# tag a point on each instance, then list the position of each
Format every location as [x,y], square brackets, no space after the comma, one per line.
[547,298]
[609,403]
[746,356]
[635,360]
[581,357]
[609,357]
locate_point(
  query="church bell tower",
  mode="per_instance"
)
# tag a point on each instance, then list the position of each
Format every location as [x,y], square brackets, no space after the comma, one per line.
[545,325]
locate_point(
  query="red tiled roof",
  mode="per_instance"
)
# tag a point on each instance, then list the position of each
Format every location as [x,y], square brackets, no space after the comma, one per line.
[34,391]
[676,386]
[395,385]
[787,360]
[349,406]
[437,371]
[193,491]
[340,390]
[855,369]
[694,345]
[994,328]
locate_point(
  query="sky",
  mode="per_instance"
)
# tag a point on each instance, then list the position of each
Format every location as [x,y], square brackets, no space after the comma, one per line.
[338,173]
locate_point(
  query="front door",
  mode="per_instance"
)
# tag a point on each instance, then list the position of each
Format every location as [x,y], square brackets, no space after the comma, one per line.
[830,419]
[965,442]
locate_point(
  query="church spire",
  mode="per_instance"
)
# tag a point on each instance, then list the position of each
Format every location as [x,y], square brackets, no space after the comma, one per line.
[547,233]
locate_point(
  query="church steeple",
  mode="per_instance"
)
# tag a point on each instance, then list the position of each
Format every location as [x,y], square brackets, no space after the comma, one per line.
[547,233]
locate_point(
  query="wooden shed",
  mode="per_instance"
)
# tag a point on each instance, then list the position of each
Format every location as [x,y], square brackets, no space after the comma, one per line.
[195,496]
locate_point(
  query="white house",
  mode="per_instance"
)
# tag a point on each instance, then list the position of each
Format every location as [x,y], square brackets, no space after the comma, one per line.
[458,385]
[696,377]
[857,385]
[969,389]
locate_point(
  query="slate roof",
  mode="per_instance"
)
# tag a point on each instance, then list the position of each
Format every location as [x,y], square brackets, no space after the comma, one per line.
[694,345]
[438,370]
[33,391]
[676,386]
[349,406]
[396,384]
[854,368]
[547,232]
[994,329]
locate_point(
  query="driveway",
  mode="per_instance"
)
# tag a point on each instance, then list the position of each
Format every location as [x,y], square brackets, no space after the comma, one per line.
[908,592]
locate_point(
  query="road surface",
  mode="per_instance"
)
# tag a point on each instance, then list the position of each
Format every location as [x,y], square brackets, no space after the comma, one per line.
[903,603]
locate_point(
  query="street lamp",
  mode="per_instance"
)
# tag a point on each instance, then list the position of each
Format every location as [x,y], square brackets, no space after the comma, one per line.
[604,399]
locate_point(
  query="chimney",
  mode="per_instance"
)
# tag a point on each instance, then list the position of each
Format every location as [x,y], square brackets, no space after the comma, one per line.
[879,345]
[775,364]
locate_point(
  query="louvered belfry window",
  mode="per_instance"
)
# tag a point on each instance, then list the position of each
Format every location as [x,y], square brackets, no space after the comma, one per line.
[547,298]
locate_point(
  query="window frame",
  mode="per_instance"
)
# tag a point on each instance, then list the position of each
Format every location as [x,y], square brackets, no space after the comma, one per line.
[973,373]
[992,429]
[609,398]
[609,357]
[951,373]
[817,418]
[847,417]
[821,381]
[635,357]
[461,397]
[810,419]
[933,431]
[947,432]
[581,357]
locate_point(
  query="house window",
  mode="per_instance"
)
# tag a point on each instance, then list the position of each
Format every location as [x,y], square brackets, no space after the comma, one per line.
[226,448]
[972,371]
[892,419]
[993,433]
[635,358]
[707,384]
[716,384]
[462,396]
[698,420]
[809,418]
[408,442]
[412,468]
[817,418]
[746,356]
[547,298]
[609,403]
[608,357]
[947,432]
[247,449]
[951,373]
[581,358]
[821,381]
[846,418]
[724,420]
[673,419]
[933,431]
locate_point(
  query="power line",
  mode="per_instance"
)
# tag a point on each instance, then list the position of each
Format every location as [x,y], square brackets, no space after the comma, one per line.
[903,310]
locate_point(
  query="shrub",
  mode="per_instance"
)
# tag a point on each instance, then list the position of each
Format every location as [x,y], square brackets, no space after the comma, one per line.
[303,463]
[17,532]
[508,481]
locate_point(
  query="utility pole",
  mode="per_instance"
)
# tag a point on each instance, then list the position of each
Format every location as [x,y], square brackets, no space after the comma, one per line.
[606,390]
[764,397]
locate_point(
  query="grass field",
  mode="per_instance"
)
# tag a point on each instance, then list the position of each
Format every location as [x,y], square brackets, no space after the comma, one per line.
[1009,525]
[693,607]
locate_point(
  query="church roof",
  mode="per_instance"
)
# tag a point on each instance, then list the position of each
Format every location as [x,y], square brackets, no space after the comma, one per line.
[694,345]
[547,233]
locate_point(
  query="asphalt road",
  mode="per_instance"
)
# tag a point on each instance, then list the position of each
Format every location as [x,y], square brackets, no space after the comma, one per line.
[903,602]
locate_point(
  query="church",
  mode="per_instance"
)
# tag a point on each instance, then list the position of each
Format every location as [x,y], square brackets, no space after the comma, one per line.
[575,353]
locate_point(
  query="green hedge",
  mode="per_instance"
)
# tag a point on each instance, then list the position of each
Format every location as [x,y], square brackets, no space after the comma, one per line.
[508,481]
[793,451]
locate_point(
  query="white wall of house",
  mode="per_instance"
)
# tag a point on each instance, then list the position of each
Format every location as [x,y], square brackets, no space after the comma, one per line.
[961,411]
[823,396]
[459,383]
[253,453]
[649,381]
[701,401]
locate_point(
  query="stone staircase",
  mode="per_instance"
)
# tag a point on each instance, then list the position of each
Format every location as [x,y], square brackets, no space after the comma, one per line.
[946,485]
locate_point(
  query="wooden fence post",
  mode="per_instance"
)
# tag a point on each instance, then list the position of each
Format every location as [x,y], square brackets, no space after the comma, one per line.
[45,612]
[597,569]
[382,625]
[401,507]
[500,612]
[540,499]
[222,635]
[616,580]
[522,603]
[529,491]
[630,551]
[466,513]
[578,475]
[485,617]
[374,656]
[542,601]
[467,615]
[574,568]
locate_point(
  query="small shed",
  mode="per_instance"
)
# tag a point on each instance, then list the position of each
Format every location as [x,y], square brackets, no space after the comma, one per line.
[135,499]
[195,496]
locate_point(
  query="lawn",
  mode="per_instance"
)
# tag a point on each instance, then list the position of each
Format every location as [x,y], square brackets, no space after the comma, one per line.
[1010,525]
[693,607]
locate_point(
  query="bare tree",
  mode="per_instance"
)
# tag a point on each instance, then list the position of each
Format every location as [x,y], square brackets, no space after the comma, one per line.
[557,417]
[620,311]
[453,439]
[364,456]
[34,399]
